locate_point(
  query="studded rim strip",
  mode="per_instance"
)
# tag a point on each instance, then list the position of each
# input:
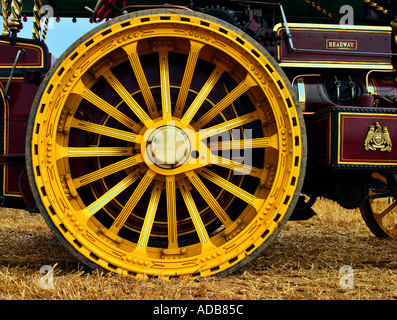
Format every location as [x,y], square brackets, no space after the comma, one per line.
[166,143]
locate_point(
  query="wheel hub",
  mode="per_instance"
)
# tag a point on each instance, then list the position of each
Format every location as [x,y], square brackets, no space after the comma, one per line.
[168,147]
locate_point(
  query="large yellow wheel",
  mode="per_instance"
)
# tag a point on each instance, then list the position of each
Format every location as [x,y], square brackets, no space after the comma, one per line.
[166,143]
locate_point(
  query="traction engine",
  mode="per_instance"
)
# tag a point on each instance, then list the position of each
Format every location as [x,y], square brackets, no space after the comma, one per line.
[178,139]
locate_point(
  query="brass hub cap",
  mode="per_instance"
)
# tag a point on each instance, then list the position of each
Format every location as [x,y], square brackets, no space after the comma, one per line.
[168,147]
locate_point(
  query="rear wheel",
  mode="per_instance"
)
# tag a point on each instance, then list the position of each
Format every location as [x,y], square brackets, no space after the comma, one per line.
[379,211]
[166,143]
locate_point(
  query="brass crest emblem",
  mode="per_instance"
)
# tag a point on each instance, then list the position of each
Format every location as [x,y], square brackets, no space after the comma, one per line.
[378,137]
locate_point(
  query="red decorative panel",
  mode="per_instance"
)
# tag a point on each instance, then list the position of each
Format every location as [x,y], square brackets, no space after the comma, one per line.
[355,129]
[336,46]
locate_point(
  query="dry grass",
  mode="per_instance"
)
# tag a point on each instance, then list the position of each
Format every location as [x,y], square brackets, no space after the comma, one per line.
[303,263]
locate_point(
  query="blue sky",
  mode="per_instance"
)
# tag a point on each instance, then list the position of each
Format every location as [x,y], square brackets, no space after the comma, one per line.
[60,35]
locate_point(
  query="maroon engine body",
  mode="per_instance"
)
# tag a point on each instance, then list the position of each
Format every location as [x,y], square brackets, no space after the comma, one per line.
[343,76]
[31,68]
[345,81]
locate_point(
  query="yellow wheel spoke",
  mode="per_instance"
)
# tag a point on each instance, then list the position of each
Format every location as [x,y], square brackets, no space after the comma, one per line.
[112,193]
[165,85]
[108,170]
[128,99]
[171,212]
[233,189]
[241,168]
[209,198]
[106,131]
[83,152]
[132,202]
[87,94]
[195,48]
[271,142]
[244,86]
[202,95]
[150,214]
[380,177]
[387,210]
[228,125]
[195,215]
[131,50]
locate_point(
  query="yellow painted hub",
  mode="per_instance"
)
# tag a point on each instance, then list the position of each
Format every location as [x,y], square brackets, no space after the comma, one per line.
[166,143]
